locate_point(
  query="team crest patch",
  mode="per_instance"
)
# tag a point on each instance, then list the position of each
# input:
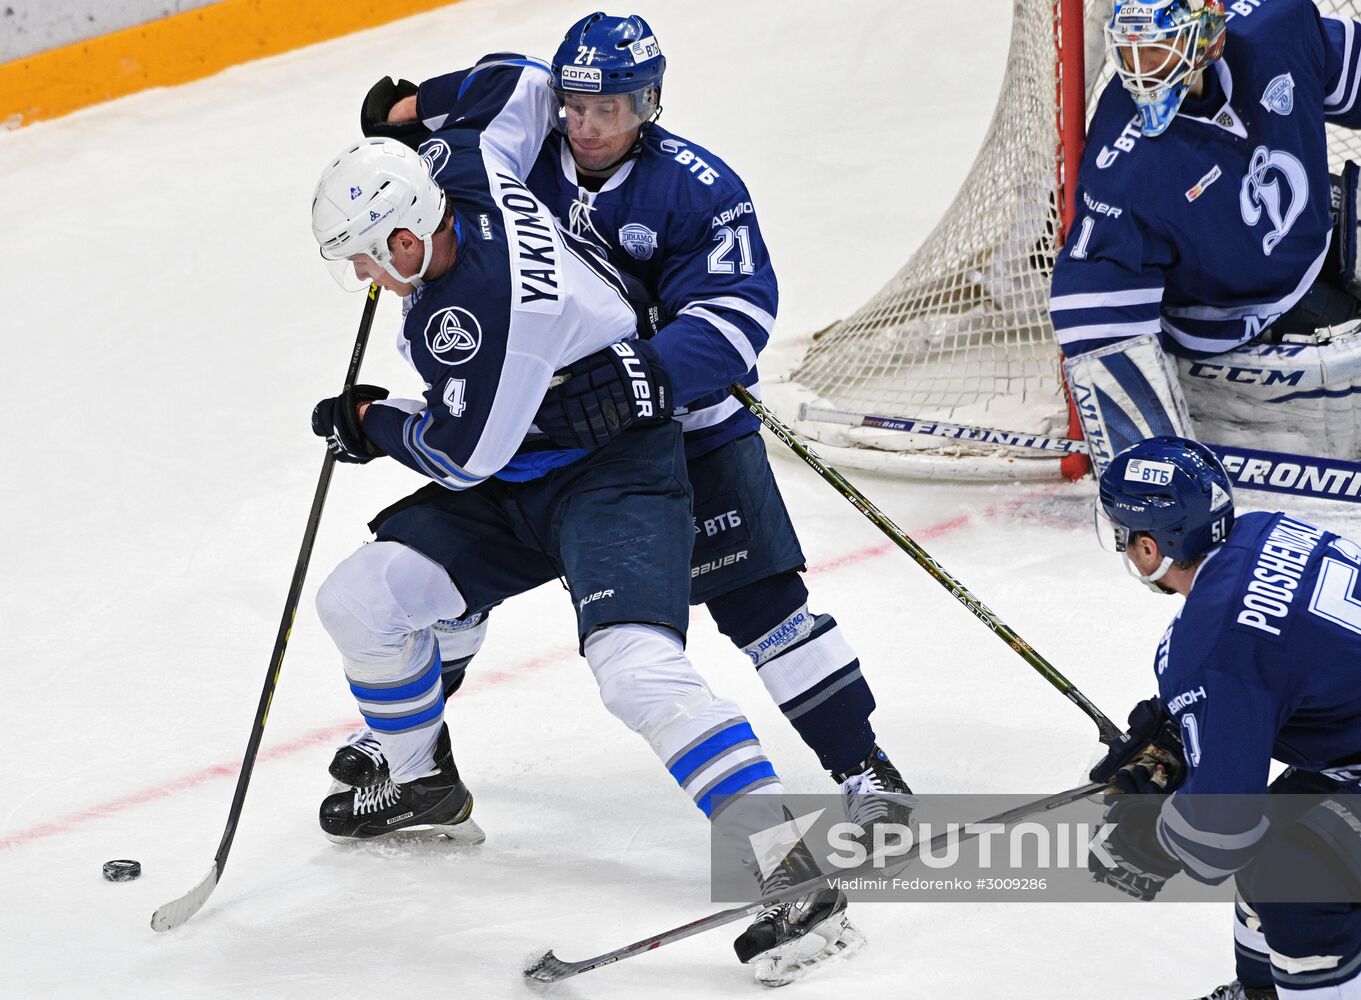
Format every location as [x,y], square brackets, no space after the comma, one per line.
[435,155]
[1279,95]
[453,335]
[638,240]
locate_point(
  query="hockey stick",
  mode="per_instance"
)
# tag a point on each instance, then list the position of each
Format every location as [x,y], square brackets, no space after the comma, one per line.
[960,432]
[1106,729]
[551,969]
[1248,468]
[177,911]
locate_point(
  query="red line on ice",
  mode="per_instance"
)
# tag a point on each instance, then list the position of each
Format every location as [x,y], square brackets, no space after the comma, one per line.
[329,734]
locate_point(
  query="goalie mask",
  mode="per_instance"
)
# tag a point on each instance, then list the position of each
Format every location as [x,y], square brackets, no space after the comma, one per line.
[371,190]
[1172,489]
[1159,48]
[608,76]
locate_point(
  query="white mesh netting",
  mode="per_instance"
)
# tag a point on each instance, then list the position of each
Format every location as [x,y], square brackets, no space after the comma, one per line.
[961,333]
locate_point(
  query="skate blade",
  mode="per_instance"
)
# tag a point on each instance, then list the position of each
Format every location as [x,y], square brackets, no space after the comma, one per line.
[813,951]
[465,834]
[462,832]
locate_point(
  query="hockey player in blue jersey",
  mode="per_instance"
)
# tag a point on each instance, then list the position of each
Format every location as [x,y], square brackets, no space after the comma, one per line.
[1203,202]
[498,299]
[678,221]
[1260,663]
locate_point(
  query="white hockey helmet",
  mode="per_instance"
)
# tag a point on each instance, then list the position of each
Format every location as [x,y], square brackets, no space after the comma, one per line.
[372,189]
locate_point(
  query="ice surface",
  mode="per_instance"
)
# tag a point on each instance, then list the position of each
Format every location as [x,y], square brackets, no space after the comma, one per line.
[166,330]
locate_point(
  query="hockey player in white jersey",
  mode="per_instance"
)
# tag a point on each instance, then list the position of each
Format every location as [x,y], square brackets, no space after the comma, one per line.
[498,299]
[678,221]
[1260,663]
[1203,204]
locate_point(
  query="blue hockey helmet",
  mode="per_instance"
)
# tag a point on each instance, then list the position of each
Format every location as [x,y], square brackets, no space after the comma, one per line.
[1173,489]
[1158,47]
[602,54]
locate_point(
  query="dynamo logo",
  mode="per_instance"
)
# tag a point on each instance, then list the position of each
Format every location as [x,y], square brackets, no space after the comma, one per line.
[1262,192]
[435,154]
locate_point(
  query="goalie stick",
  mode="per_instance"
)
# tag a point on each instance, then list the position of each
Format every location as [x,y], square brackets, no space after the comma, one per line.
[551,969]
[1248,468]
[177,911]
[1106,729]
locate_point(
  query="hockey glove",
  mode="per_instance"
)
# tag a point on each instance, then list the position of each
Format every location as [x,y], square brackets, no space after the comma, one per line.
[1139,865]
[378,102]
[337,420]
[594,400]
[1150,727]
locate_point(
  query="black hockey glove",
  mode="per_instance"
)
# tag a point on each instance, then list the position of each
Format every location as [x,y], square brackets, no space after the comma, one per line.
[373,115]
[1139,865]
[594,400]
[1150,728]
[337,420]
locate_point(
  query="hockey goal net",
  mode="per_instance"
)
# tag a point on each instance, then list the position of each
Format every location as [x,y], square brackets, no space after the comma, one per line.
[961,334]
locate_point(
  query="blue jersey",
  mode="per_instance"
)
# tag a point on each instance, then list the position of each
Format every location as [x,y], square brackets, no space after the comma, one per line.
[1210,231]
[1262,662]
[521,300]
[674,217]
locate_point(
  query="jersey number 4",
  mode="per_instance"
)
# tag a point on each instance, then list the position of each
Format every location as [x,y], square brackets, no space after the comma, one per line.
[453,396]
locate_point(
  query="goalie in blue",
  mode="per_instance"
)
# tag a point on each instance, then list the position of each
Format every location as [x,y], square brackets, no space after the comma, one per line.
[1203,202]
[1260,663]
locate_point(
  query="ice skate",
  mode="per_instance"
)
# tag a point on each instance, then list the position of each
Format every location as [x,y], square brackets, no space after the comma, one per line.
[359,762]
[1237,991]
[790,939]
[437,805]
[873,792]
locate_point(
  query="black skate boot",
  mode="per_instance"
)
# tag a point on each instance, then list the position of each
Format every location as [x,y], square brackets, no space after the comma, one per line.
[1237,991]
[360,762]
[789,939]
[437,805]
[874,792]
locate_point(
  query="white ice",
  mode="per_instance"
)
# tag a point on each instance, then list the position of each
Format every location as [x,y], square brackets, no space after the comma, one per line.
[166,327]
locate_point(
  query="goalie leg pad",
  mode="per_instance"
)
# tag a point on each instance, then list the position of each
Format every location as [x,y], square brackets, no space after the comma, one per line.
[1124,393]
[1302,396]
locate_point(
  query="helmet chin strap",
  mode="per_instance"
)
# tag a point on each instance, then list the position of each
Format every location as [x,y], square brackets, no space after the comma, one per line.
[417,279]
[1150,581]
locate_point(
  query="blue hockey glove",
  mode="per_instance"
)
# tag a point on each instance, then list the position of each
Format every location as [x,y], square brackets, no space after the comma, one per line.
[373,114]
[1140,865]
[1149,727]
[594,400]
[337,420]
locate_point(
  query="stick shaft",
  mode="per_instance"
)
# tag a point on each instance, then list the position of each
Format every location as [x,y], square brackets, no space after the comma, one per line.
[1107,729]
[276,658]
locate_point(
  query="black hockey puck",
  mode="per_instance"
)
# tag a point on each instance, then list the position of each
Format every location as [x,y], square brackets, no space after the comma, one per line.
[122,870]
